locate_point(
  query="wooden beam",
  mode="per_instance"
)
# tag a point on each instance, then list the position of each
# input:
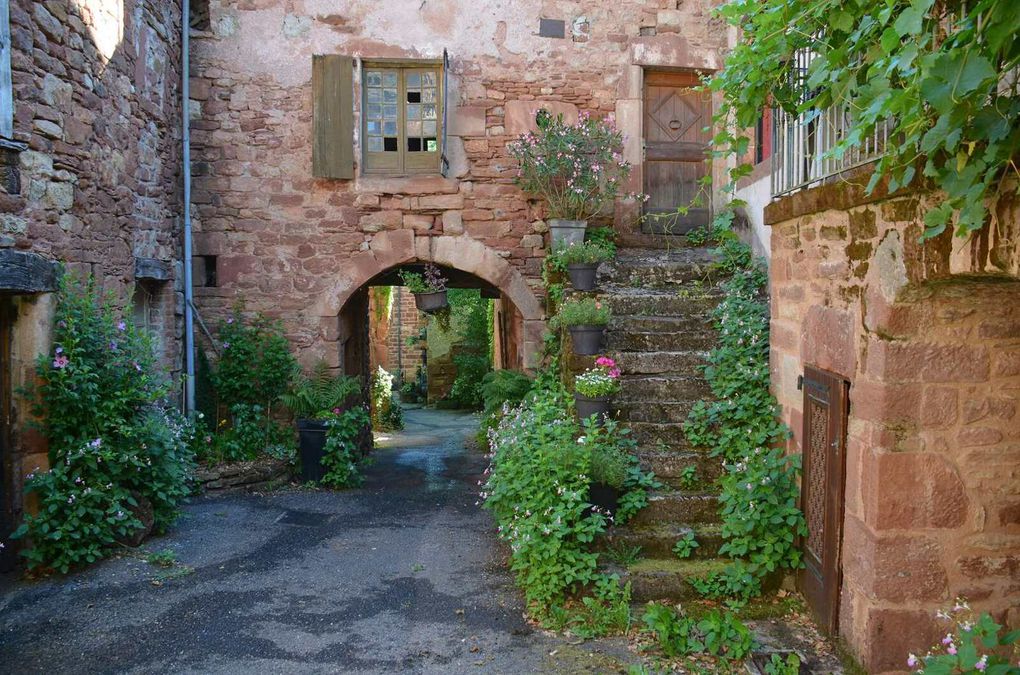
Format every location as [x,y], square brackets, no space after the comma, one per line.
[23,272]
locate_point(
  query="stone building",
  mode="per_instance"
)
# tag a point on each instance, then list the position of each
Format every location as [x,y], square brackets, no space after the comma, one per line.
[90,155]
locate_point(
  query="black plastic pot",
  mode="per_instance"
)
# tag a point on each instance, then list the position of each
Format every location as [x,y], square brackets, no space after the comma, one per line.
[587,340]
[311,449]
[604,497]
[582,275]
[431,302]
[586,407]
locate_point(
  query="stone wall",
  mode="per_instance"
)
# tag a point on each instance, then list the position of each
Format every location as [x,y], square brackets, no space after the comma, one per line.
[390,331]
[928,336]
[96,187]
[291,245]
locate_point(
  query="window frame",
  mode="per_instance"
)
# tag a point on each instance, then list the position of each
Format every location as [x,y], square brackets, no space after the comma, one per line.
[423,162]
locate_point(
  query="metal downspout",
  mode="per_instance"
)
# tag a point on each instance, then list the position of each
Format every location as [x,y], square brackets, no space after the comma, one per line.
[189,316]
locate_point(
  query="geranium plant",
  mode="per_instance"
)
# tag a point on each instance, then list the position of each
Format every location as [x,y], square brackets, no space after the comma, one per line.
[431,281]
[601,381]
[578,169]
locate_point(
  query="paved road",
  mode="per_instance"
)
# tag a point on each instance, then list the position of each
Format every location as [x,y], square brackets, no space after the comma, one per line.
[402,575]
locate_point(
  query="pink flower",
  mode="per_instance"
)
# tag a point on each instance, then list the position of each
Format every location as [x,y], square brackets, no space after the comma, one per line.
[982,663]
[951,649]
[60,362]
[912,661]
[605,361]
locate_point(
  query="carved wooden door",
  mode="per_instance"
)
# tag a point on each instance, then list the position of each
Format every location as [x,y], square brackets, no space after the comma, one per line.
[7,505]
[822,486]
[676,142]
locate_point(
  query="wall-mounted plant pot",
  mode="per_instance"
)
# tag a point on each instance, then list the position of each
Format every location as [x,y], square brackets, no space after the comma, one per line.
[311,449]
[604,497]
[430,303]
[587,340]
[566,232]
[582,276]
[586,407]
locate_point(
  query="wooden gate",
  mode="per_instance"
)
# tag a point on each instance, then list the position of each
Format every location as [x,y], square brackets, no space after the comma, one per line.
[676,142]
[7,505]
[822,486]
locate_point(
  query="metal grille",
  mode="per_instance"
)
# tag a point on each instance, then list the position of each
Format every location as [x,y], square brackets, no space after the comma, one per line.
[816,447]
[801,143]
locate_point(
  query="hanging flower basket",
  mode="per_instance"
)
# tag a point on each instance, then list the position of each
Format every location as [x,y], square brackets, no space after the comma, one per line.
[430,303]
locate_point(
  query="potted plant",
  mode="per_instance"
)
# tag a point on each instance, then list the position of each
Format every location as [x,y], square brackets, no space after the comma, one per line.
[610,464]
[586,319]
[315,400]
[582,262]
[594,389]
[429,288]
[578,169]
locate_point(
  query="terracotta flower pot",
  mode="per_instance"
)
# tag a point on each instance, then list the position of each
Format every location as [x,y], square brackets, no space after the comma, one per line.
[582,275]
[587,340]
[586,407]
[566,232]
[431,302]
[311,449]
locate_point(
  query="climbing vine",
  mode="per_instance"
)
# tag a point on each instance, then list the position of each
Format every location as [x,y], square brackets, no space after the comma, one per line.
[761,520]
[940,74]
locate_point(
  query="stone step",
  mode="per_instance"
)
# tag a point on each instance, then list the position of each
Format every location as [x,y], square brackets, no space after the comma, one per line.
[653,363]
[646,267]
[657,541]
[652,434]
[691,323]
[654,411]
[679,507]
[663,388]
[634,341]
[669,465]
[666,578]
[658,303]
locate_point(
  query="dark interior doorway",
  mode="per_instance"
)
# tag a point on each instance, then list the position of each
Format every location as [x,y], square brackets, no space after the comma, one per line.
[8,556]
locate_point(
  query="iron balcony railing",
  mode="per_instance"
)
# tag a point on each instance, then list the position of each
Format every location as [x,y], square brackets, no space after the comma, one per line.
[801,143]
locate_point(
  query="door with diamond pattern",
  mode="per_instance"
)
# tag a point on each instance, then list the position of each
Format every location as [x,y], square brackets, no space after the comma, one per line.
[676,138]
[822,487]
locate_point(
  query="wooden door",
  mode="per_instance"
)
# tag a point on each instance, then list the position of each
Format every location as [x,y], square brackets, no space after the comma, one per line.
[822,485]
[8,555]
[676,142]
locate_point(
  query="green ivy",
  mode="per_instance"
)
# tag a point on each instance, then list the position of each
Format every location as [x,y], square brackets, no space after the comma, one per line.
[760,517]
[934,71]
[342,455]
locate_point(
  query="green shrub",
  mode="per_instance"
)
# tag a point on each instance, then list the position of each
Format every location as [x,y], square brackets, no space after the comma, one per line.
[585,253]
[473,321]
[317,395]
[255,364]
[342,454]
[717,633]
[113,447]
[583,312]
[386,414]
[504,386]
[249,434]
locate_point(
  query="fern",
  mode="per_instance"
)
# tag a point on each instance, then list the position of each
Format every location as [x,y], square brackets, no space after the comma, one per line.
[320,393]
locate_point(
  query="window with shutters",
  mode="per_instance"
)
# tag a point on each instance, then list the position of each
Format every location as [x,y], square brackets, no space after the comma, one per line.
[402,117]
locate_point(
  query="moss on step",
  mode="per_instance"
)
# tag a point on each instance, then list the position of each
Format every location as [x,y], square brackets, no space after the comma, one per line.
[685,568]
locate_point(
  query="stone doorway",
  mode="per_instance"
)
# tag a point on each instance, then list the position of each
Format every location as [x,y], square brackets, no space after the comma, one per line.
[7,485]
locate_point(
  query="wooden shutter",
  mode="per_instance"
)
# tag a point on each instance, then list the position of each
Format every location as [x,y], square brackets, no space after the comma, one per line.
[822,486]
[333,116]
[444,161]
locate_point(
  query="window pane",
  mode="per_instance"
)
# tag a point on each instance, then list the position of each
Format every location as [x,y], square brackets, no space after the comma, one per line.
[375,144]
[428,79]
[413,111]
[414,97]
[428,111]
[413,80]
[373,127]
[390,144]
[374,78]
[389,128]
[374,110]
[413,128]
[414,145]
[431,145]
[428,96]
[389,79]
[389,95]
[373,95]
[428,128]
[390,112]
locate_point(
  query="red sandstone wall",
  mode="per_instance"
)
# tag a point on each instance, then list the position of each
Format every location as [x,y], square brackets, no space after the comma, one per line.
[933,458]
[283,237]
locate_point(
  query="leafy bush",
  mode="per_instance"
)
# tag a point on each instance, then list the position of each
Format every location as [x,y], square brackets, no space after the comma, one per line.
[255,364]
[430,281]
[249,433]
[611,451]
[317,395]
[717,633]
[973,645]
[341,452]
[504,386]
[114,450]
[386,414]
[686,545]
[603,237]
[473,320]
[583,312]
[576,168]
[586,253]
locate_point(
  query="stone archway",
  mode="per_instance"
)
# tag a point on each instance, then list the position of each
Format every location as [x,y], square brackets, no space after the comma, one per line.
[393,248]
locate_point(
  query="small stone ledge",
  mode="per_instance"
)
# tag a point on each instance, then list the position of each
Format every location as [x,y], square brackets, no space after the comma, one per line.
[243,476]
[152,269]
[26,272]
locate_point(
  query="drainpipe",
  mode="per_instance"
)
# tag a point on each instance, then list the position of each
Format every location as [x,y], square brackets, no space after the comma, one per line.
[189,316]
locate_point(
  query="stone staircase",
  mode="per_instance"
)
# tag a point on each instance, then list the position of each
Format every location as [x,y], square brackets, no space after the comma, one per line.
[660,335]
